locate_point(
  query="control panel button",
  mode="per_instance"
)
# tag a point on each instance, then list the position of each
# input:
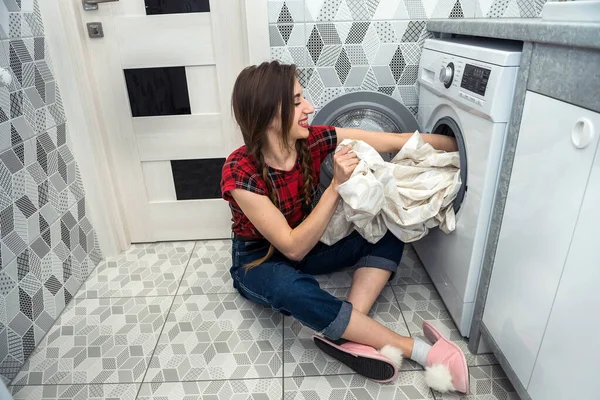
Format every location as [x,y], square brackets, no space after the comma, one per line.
[447,74]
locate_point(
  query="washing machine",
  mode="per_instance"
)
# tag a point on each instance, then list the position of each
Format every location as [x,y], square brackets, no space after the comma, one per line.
[466,90]
[371,111]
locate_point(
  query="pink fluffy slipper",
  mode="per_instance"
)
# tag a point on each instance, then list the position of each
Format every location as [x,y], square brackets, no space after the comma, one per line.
[381,366]
[446,368]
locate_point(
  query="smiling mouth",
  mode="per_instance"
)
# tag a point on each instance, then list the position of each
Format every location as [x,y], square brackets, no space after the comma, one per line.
[303,123]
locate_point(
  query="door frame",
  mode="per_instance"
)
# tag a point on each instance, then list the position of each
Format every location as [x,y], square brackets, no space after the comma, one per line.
[96,155]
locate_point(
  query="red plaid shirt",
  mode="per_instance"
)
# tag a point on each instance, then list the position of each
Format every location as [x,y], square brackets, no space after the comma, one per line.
[240,172]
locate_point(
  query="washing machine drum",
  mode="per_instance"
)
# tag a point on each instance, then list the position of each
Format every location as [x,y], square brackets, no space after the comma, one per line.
[374,111]
[370,111]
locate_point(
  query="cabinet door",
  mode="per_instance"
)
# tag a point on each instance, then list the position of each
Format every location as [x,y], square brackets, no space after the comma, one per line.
[567,366]
[547,185]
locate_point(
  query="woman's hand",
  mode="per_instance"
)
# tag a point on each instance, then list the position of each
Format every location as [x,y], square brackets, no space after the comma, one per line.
[344,162]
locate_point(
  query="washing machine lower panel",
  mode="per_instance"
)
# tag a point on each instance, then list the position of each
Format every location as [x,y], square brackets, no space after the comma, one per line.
[454,260]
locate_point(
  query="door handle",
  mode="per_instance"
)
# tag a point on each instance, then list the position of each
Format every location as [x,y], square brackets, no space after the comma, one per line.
[91,5]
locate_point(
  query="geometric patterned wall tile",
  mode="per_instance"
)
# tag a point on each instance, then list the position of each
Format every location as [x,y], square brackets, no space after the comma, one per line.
[384,75]
[449,9]
[386,32]
[35,290]
[291,34]
[411,53]
[284,16]
[31,21]
[274,9]
[275,38]
[508,8]
[288,11]
[355,55]
[329,55]
[356,76]
[343,66]
[416,9]
[329,76]
[413,31]
[371,43]
[47,244]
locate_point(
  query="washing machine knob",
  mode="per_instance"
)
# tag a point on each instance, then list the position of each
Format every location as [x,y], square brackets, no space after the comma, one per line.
[446,75]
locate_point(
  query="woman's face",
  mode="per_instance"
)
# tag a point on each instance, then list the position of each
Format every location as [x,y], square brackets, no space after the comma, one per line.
[302,110]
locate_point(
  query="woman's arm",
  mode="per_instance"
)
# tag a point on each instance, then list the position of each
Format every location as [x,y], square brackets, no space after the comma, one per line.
[385,142]
[270,222]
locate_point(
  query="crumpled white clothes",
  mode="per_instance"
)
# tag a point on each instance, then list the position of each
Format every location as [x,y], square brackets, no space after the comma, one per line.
[409,195]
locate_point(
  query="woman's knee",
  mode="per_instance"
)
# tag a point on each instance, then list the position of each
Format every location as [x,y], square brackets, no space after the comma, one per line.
[289,292]
[389,247]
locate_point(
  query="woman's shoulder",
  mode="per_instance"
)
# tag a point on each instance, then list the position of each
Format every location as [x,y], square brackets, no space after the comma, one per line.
[240,162]
[240,172]
[321,130]
[239,157]
[322,138]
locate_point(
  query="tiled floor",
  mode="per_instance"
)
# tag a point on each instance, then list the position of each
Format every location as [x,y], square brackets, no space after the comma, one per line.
[164,322]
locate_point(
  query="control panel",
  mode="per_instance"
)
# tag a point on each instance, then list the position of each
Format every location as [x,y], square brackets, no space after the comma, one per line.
[475,79]
[476,85]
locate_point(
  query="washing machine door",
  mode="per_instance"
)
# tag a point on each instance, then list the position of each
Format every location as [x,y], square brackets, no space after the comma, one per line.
[371,111]
[448,126]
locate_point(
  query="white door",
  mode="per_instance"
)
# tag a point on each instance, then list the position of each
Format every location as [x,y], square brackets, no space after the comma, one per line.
[164,72]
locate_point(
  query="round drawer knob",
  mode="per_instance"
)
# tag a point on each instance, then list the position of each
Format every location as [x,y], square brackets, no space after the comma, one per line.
[582,133]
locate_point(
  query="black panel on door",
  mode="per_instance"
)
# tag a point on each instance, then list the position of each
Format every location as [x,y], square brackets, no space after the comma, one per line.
[176,6]
[157,91]
[197,179]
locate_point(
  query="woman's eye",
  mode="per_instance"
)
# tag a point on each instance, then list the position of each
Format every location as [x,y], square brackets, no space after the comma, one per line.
[297,104]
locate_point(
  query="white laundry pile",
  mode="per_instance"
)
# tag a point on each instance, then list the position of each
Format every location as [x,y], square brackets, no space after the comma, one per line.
[409,195]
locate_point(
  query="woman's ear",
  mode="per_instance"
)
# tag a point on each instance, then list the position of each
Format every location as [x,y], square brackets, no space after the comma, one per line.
[275,124]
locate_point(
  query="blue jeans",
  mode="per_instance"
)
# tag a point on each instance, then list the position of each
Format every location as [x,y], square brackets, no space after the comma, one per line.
[290,286]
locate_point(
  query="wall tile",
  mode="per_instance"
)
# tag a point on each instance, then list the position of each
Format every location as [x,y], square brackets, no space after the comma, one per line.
[47,243]
[356,55]
[509,8]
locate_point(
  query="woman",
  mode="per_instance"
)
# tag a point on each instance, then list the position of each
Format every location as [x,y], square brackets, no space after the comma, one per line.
[271,185]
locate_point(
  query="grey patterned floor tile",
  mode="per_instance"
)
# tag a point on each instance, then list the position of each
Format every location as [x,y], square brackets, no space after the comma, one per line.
[487,383]
[218,336]
[303,358]
[76,392]
[423,303]
[144,270]
[98,341]
[411,270]
[263,389]
[408,385]
[208,271]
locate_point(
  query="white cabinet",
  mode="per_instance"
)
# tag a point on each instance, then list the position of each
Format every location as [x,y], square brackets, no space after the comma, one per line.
[548,182]
[567,366]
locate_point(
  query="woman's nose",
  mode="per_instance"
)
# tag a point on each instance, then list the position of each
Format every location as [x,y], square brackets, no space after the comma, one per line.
[309,109]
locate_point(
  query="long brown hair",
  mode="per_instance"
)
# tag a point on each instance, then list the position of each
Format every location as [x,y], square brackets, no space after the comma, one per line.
[261,94]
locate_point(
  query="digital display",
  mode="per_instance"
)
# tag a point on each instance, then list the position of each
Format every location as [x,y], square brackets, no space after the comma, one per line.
[475,79]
